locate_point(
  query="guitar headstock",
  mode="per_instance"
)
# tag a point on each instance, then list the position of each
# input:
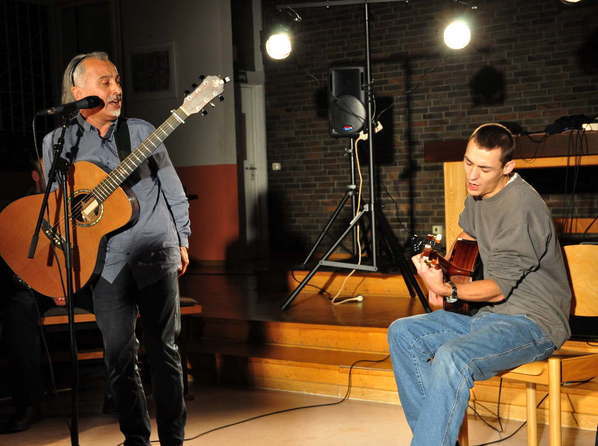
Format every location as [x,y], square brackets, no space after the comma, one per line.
[210,88]
[417,244]
[431,257]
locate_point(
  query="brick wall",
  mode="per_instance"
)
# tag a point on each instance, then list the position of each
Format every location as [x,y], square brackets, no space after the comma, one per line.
[546,54]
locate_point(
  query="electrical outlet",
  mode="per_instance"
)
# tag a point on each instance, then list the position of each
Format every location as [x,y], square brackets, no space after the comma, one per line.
[437,229]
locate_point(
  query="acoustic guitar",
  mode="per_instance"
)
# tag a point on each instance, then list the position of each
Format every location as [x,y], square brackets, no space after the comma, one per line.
[462,266]
[99,206]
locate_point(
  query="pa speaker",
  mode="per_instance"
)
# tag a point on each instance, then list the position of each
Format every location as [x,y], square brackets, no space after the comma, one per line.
[346,101]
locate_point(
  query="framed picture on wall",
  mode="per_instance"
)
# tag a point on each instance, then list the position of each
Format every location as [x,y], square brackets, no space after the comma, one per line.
[152,72]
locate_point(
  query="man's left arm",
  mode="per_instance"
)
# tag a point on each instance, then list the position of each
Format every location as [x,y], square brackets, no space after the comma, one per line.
[176,199]
[516,251]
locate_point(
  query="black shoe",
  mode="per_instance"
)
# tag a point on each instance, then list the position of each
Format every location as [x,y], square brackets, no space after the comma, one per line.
[22,420]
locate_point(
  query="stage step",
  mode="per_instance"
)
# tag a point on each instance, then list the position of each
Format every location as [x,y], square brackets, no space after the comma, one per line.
[293,334]
[301,369]
[316,358]
[374,284]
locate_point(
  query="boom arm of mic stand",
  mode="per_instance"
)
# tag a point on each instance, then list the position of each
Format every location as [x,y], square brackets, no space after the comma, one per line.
[51,179]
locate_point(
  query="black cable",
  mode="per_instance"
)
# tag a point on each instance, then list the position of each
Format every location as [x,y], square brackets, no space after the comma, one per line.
[587,229]
[500,429]
[35,145]
[515,431]
[322,290]
[292,409]
[395,203]
[384,110]
[542,139]
[575,150]
[482,418]
[412,89]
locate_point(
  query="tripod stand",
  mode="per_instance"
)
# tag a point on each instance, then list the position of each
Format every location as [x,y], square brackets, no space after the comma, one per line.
[368,209]
[390,242]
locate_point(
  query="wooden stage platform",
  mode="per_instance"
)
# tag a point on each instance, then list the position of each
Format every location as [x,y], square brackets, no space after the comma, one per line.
[242,337]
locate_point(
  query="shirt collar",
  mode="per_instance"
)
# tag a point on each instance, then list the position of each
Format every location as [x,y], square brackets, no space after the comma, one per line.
[87,127]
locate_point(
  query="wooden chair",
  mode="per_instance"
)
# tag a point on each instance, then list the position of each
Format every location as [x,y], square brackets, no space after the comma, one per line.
[570,363]
[57,317]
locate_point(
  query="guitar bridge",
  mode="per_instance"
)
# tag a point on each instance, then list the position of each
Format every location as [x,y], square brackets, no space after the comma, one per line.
[53,235]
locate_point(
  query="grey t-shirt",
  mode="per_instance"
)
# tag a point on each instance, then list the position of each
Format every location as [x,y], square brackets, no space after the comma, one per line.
[520,251]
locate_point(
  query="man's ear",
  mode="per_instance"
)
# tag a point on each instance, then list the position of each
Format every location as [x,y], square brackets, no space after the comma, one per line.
[508,167]
[76,91]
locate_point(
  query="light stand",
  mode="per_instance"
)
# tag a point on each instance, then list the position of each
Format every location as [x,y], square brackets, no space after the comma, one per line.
[368,208]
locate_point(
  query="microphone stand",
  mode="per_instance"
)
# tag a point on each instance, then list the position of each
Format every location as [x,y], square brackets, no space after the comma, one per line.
[59,172]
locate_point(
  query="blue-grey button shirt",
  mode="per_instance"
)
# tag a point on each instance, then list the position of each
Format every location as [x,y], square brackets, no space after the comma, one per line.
[151,246]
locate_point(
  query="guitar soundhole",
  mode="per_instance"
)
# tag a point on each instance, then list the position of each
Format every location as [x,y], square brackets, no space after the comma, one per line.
[87,211]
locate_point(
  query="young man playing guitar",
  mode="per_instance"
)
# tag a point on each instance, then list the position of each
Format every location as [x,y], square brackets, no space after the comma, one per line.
[437,356]
[142,262]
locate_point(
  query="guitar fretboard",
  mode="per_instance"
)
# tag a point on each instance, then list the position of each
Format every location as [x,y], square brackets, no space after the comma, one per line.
[127,166]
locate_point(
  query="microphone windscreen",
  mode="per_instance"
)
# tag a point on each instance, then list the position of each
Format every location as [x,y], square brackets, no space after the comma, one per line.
[92,102]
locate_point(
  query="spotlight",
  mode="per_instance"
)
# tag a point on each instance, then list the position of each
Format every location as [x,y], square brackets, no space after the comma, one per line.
[457,34]
[570,2]
[279,42]
[278,45]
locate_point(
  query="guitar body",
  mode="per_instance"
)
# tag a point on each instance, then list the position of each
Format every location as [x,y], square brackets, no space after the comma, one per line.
[92,222]
[99,208]
[463,266]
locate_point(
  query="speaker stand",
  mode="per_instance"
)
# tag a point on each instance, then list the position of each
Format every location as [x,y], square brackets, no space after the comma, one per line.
[389,243]
[368,208]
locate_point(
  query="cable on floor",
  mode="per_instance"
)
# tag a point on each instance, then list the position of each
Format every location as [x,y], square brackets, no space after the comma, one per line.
[292,409]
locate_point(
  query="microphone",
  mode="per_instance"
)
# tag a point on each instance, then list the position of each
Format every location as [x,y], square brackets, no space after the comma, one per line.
[88,102]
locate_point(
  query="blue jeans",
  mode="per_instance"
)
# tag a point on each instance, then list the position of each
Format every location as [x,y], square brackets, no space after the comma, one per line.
[436,358]
[116,306]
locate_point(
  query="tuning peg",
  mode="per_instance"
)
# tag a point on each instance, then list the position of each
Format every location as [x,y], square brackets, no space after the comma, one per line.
[187,92]
[204,112]
[212,104]
[194,85]
[221,98]
[201,77]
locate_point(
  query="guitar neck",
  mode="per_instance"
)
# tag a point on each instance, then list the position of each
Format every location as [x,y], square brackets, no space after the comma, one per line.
[210,88]
[127,166]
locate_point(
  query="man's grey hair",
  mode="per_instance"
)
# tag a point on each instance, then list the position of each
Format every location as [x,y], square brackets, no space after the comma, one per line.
[75,70]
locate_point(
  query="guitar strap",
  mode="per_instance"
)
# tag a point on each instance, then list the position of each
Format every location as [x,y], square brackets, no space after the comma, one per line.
[123,145]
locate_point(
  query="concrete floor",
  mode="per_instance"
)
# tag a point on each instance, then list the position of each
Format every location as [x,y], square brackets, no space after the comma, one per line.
[350,423]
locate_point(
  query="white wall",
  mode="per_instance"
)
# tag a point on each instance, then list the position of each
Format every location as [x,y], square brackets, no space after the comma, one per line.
[201,33]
